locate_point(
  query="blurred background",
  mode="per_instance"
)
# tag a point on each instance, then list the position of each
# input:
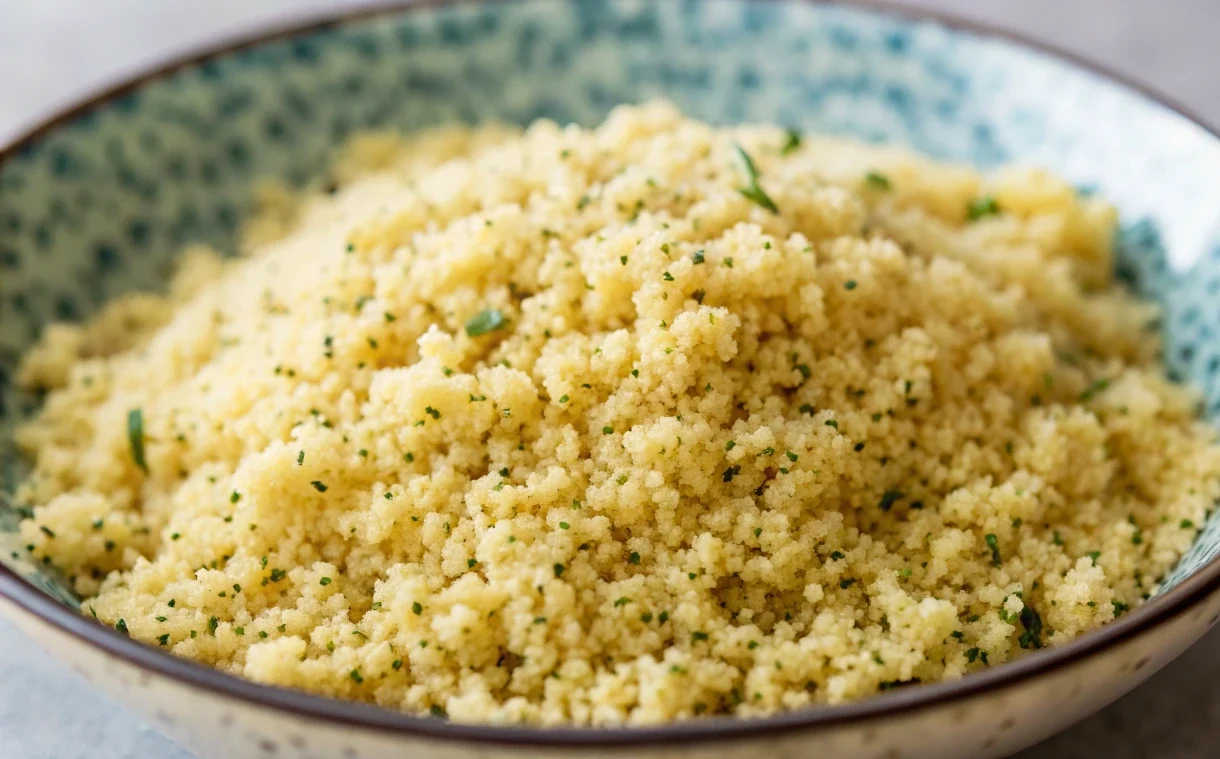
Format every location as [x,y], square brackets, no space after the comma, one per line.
[53,52]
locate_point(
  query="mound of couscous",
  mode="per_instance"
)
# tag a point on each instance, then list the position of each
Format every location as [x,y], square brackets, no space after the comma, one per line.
[623,425]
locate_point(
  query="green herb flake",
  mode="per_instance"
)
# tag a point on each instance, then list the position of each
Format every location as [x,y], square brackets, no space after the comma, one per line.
[981,207]
[878,181]
[487,320]
[1093,389]
[135,437]
[994,544]
[325,581]
[888,498]
[792,141]
[752,191]
[1032,622]
[319,486]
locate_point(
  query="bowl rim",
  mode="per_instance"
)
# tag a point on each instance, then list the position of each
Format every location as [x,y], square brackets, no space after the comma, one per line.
[339,713]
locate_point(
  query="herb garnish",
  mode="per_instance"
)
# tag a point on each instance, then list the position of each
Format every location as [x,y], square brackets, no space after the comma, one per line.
[994,544]
[487,320]
[980,207]
[878,180]
[753,191]
[135,437]
[792,142]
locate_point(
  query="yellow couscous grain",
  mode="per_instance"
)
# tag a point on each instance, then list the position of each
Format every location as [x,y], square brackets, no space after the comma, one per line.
[623,425]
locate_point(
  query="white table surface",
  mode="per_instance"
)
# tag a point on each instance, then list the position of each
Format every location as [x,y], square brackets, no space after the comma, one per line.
[53,51]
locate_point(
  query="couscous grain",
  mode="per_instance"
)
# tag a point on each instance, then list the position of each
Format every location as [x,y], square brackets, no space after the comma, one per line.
[623,425]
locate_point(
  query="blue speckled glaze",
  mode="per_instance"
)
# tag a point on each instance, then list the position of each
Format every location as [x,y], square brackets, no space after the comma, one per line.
[101,205]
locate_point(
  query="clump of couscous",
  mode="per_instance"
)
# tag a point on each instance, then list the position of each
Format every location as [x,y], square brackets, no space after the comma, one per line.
[623,425]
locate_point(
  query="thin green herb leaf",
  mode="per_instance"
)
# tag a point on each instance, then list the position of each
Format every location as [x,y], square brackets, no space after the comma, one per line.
[487,320]
[135,437]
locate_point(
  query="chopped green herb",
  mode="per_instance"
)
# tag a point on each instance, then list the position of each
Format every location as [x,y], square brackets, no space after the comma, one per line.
[1032,622]
[319,486]
[888,498]
[355,675]
[792,141]
[121,626]
[752,191]
[634,558]
[559,568]
[1093,389]
[135,437]
[417,608]
[994,544]
[325,581]
[878,180]
[847,583]
[980,207]
[488,320]
[698,635]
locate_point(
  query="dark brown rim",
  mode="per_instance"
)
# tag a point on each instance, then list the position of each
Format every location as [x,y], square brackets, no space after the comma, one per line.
[28,597]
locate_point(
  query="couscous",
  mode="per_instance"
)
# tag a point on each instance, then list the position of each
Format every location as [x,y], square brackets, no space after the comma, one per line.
[623,425]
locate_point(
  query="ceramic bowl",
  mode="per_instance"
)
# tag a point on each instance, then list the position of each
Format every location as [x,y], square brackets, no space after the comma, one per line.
[99,201]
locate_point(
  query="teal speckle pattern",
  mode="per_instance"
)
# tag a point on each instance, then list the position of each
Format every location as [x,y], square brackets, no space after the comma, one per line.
[102,205]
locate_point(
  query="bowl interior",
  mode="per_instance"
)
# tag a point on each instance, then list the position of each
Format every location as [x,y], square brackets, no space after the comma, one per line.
[100,203]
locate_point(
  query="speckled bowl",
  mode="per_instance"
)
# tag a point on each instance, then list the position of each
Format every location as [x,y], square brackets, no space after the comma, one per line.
[100,199]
